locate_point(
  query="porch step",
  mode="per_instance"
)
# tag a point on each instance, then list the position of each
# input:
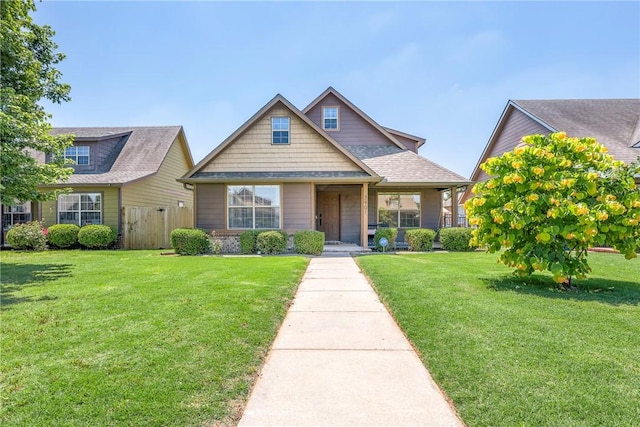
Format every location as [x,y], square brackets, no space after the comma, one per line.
[339,247]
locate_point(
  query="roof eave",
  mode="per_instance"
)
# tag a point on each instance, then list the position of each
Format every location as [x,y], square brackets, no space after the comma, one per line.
[343,180]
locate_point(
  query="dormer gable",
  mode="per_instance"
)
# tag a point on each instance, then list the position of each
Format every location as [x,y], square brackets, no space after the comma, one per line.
[346,123]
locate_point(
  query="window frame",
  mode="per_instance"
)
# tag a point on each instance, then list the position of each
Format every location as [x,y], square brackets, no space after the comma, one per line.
[11,212]
[253,206]
[336,118]
[280,131]
[75,156]
[399,209]
[80,211]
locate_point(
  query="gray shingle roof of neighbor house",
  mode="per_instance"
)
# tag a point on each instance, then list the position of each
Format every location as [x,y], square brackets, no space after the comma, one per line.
[399,166]
[615,123]
[142,155]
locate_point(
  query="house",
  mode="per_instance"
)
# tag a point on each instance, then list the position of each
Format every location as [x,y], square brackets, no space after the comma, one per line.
[115,168]
[615,123]
[328,167]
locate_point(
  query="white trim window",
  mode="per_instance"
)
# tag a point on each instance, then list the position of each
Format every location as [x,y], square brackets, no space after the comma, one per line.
[78,153]
[399,209]
[330,118]
[80,208]
[280,127]
[16,214]
[253,206]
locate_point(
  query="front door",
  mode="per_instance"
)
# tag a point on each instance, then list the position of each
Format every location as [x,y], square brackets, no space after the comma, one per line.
[329,215]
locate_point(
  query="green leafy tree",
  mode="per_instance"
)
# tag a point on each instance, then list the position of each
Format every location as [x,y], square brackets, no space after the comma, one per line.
[552,198]
[28,75]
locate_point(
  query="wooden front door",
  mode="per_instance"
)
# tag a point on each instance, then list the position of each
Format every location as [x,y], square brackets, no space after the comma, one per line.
[329,215]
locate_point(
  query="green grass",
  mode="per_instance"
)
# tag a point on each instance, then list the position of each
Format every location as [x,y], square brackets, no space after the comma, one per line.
[136,338]
[520,352]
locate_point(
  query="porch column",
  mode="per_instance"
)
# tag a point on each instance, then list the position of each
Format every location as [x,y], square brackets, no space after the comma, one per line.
[454,206]
[364,215]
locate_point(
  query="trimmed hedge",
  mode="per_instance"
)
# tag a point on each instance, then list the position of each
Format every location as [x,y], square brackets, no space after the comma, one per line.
[248,241]
[63,235]
[308,242]
[420,239]
[97,236]
[389,232]
[27,236]
[272,242]
[455,239]
[189,241]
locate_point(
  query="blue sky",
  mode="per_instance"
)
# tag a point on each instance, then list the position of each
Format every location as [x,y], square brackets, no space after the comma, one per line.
[440,70]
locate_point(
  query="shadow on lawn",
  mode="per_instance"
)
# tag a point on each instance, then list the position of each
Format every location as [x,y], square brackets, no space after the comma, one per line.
[607,291]
[16,277]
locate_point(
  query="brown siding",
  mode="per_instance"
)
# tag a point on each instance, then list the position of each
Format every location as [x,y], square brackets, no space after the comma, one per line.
[354,130]
[254,152]
[162,189]
[110,211]
[296,209]
[409,143]
[516,125]
[350,216]
[210,202]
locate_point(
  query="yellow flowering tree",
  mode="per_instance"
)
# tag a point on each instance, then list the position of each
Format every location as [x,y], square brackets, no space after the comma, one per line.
[552,198]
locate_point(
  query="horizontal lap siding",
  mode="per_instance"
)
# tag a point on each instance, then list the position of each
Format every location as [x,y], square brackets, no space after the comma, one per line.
[254,152]
[350,216]
[296,209]
[516,125]
[161,189]
[210,206]
[354,130]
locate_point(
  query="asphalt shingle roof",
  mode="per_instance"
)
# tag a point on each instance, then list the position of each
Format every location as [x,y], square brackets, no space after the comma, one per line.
[403,166]
[615,123]
[142,154]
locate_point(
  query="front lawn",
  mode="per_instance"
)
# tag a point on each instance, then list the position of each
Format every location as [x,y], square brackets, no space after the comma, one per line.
[519,352]
[136,338]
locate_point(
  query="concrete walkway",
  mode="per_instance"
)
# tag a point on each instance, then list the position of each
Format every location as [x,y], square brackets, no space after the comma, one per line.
[340,360]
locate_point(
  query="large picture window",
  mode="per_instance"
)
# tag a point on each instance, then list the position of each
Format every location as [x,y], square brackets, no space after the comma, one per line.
[80,208]
[253,206]
[399,209]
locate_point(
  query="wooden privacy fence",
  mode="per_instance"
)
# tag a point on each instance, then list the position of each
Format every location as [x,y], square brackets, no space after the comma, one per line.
[150,228]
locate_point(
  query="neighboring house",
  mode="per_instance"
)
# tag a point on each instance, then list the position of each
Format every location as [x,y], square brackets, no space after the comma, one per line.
[615,123]
[328,167]
[115,168]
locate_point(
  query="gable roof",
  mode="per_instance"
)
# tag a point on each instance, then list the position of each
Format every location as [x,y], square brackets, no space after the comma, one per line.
[142,154]
[384,131]
[614,123]
[404,167]
[278,99]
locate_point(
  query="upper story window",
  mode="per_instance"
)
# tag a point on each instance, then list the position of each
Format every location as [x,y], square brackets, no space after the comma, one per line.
[330,118]
[280,130]
[78,153]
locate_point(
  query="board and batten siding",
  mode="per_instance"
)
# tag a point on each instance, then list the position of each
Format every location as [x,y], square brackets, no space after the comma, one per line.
[296,206]
[254,152]
[162,189]
[110,212]
[350,216]
[516,125]
[354,130]
[210,202]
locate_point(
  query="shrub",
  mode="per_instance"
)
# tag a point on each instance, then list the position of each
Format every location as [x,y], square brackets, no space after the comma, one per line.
[248,241]
[455,239]
[189,241]
[215,244]
[308,242]
[420,239]
[97,236]
[29,236]
[388,232]
[272,242]
[63,235]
